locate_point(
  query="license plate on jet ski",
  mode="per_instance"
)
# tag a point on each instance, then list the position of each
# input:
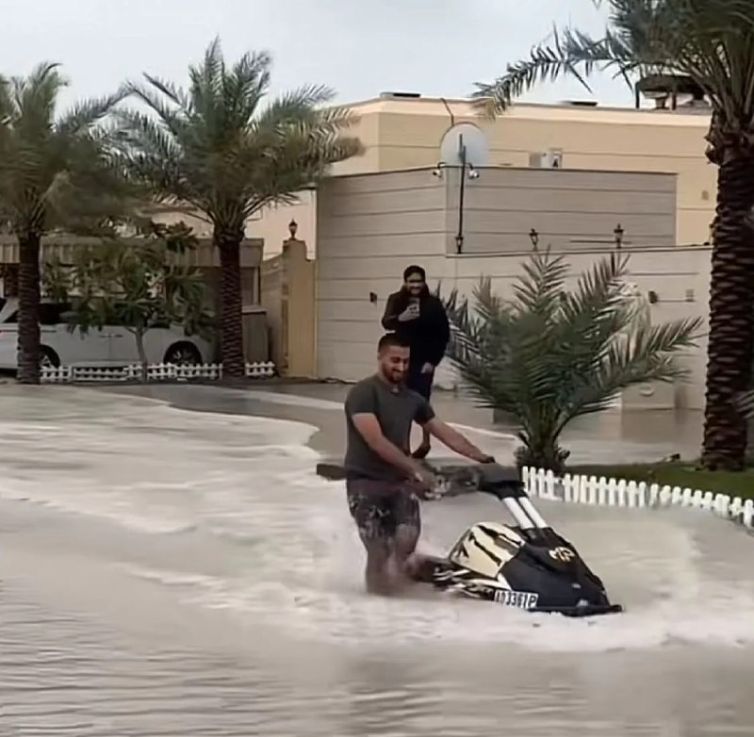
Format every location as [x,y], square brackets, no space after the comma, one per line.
[517,599]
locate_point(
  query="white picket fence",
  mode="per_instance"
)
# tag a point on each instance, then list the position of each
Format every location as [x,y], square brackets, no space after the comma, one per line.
[155,372]
[601,491]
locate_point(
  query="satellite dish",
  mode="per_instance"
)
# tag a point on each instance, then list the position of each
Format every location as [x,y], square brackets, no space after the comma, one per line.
[464,136]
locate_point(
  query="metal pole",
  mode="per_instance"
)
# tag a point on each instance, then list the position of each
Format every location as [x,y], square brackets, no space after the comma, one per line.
[459,237]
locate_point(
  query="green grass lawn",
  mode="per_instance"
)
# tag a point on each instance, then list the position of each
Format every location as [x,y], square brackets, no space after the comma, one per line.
[677,474]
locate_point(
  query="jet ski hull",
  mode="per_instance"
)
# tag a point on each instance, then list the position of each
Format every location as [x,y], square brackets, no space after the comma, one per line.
[443,575]
[526,565]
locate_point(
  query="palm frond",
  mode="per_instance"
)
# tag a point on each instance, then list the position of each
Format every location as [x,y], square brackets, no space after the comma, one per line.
[711,41]
[216,147]
[6,101]
[549,354]
[646,354]
[572,53]
[206,89]
[38,92]
[539,291]
[165,112]
[149,152]
[300,105]
[167,88]
[87,113]
[244,88]
[46,161]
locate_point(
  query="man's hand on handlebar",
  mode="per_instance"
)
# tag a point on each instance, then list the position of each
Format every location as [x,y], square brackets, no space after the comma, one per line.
[424,484]
[423,478]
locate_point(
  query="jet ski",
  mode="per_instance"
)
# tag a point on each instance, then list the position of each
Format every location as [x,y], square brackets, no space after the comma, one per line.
[526,565]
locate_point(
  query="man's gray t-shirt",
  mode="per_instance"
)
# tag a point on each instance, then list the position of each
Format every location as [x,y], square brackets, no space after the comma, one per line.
[395,408]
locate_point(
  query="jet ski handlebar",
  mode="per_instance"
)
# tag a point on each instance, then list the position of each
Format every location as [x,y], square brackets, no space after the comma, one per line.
[505,484]
[500,481]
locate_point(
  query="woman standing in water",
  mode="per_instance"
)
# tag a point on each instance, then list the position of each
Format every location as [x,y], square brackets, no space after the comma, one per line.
[419,319]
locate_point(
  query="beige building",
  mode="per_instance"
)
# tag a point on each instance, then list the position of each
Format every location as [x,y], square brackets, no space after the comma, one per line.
[401,134]
[574,177]
[371,226]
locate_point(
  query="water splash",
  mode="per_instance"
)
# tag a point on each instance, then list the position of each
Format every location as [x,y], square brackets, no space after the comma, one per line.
[247,485]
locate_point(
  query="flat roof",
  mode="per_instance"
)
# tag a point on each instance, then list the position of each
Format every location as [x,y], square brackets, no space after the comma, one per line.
[465,108]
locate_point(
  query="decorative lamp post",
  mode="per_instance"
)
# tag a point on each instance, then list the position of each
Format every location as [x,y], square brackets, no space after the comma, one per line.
[618,232]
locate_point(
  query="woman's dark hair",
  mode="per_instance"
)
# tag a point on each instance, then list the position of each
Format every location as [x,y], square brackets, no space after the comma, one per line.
[414,269]
[405,295]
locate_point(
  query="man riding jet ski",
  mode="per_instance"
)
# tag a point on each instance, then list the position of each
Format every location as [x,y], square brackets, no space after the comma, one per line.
[525,565]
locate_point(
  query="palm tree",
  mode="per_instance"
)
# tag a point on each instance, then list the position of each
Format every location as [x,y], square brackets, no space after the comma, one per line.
[217,150]
[712,43]
[53,173]
[550,355]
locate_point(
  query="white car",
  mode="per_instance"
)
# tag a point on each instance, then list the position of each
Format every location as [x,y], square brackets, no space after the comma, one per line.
[113,345]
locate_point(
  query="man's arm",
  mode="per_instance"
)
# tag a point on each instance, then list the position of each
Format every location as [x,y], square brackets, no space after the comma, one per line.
[455,441]
[369,428]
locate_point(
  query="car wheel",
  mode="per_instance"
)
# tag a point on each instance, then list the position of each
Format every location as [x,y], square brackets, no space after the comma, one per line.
[183,354]
[48,359]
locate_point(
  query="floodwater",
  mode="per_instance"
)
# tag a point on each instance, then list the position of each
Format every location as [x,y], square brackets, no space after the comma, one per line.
[174,572]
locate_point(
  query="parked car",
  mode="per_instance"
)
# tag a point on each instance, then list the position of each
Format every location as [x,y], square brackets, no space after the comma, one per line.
[113,345]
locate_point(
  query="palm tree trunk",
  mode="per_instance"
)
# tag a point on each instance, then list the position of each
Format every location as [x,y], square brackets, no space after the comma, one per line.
[231,328]
[731,316]
[28,309]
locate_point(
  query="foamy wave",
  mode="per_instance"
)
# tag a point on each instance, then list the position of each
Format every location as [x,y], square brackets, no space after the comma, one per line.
[316,592]
[120,511]
[351,617]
